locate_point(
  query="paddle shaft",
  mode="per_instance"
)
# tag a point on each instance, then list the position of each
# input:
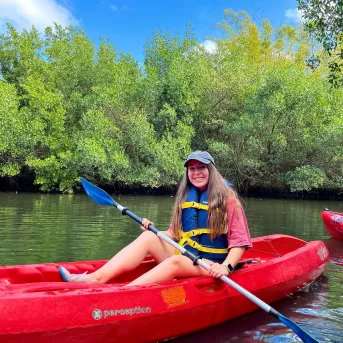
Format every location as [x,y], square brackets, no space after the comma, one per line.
[199,261]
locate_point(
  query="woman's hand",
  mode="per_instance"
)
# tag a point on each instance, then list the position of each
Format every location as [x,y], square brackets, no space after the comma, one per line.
[217,270]
[145,224]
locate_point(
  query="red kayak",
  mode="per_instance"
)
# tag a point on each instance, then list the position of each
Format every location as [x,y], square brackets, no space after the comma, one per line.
[333,222]
[36,306]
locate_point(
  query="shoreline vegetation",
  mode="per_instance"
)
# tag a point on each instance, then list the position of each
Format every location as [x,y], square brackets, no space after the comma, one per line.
[71,108]
[18,186]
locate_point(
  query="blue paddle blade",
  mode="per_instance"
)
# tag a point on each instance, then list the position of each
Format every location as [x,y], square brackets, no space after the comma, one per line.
[97,194]
[302,334]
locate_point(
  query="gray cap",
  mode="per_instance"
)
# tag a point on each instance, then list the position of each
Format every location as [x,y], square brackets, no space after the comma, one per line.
[201,156]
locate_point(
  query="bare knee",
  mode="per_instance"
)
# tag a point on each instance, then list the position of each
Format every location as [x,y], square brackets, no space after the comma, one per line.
[147,237]
[149,240]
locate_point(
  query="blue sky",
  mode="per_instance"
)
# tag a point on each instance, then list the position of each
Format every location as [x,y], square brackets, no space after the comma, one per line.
[129,23]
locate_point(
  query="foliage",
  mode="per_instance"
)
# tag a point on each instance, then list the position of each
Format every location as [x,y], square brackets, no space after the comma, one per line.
[15,139]
[305,178]
[70,109]
[323,19]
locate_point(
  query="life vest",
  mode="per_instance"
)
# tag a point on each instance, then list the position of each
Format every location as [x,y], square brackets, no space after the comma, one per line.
[195,236]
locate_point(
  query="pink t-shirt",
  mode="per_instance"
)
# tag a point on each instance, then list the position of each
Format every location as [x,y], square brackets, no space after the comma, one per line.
[238,234]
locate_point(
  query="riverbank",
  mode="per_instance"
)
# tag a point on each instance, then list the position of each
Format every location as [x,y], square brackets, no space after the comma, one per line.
[25,185]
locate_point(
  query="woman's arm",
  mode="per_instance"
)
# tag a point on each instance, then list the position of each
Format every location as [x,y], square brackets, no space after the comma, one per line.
[233,256]
[217,270]
[238,237]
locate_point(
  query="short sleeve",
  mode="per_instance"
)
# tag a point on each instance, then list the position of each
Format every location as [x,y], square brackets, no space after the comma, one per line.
[238,231]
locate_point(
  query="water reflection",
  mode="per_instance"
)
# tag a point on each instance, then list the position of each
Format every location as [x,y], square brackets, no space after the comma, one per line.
[50,228]
[335,248]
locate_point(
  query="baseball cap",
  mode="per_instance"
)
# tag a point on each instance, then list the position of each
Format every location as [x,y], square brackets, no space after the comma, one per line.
[201,156]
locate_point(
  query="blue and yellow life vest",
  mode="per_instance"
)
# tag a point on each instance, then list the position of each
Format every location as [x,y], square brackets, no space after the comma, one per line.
[195,236]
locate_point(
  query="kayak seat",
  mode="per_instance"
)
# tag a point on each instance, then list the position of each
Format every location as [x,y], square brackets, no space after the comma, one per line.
[25,275]
[49,273]
[30,274]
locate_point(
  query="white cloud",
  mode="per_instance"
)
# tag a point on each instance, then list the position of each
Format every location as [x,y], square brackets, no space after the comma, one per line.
[114,8]
[210,46]
[22,14]
[294,15]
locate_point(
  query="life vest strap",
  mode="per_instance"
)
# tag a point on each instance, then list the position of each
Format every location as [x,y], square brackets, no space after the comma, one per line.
[200,247]
[186,239]
[193,204]
[195,232]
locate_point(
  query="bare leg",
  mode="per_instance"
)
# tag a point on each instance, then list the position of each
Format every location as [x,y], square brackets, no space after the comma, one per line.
[132,256]
[176,266]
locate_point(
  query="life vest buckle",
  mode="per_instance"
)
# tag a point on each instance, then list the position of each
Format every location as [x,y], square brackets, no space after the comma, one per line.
[196,205]
[191,243]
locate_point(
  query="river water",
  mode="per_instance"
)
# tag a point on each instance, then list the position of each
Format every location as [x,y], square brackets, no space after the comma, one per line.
[36,228]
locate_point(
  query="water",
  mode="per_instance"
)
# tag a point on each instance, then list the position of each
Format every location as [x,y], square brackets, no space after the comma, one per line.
[37,228]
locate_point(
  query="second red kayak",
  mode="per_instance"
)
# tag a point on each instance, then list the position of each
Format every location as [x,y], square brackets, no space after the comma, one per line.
[333,222]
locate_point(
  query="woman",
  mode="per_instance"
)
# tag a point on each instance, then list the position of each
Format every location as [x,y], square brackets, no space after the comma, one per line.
[207,219]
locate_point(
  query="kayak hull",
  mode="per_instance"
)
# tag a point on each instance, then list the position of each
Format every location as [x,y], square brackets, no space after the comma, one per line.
[333,222]
[36,306]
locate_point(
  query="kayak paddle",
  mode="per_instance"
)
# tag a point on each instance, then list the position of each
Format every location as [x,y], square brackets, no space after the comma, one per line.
[102,198]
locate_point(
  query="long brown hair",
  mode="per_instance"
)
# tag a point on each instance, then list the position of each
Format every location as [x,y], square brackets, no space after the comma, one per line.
[218,193]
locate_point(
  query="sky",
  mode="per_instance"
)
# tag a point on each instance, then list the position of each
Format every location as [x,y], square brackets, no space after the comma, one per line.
[129,23]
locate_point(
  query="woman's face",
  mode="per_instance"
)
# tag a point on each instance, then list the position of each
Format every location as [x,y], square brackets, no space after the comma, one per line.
[198,174]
